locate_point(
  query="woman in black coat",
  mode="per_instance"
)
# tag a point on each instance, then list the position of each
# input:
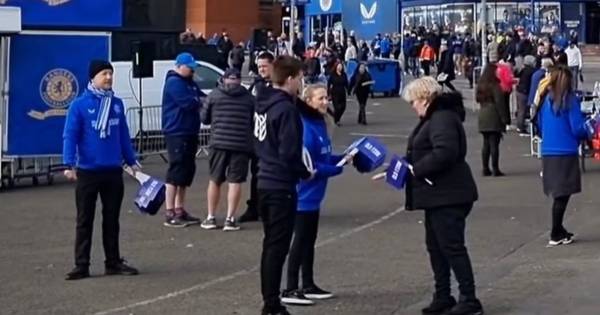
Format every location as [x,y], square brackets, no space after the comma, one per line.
[436,149]
[361,87]
[337,87]
[494,116]
[446,67]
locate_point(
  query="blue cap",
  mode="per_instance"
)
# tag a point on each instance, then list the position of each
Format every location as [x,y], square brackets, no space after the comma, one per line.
[186,59]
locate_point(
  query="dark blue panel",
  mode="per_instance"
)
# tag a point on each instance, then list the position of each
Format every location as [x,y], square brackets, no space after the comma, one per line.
[369,17]
[42,86]
[69,13]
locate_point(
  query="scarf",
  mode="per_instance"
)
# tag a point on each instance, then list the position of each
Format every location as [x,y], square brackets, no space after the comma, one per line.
[105,105]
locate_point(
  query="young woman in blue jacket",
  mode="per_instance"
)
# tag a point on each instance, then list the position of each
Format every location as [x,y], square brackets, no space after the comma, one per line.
[562,127]
[317,151]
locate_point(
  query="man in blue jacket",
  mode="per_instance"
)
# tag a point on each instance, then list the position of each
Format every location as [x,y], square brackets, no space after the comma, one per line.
[181,125]
[386,46]
[278,146]
[95,143]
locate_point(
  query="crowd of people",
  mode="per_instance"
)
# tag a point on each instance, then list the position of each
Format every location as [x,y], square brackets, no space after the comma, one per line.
[280,133]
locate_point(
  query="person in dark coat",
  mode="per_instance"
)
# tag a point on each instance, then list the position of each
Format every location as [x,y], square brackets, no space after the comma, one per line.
[229,111]
[436,149]
[237,57]
[363,52]
[523,88]
[361,84]
[337,86]
[493,118]
[446,67]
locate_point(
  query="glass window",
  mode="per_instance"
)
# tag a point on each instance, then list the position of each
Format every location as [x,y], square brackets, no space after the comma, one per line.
[206,78]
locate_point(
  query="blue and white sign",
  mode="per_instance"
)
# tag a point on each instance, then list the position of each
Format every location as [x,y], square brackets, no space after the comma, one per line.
[69,13]
[369,17]
[319,7]
[47,72]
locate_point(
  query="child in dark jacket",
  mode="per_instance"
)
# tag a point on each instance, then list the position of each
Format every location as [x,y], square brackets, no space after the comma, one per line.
[317,154]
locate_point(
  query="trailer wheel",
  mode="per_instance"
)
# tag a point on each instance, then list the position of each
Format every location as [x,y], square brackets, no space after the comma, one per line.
[35,181]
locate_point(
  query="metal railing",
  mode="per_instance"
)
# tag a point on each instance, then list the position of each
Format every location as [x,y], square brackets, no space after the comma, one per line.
[148,139]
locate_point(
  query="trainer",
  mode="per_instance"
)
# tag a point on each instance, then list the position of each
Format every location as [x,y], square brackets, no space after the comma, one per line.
[96,141]
[437,148]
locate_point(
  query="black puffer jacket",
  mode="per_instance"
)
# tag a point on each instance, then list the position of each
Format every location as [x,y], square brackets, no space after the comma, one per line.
[437,148]
[229,110]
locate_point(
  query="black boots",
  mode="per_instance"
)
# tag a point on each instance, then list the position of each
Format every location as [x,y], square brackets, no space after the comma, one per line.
[439,305]
[467,307]
[120,268]
[79,272]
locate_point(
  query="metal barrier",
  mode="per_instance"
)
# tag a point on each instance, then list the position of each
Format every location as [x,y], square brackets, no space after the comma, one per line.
[149,139]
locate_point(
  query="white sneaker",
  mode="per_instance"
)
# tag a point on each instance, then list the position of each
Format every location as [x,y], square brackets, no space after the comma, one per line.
[295,297]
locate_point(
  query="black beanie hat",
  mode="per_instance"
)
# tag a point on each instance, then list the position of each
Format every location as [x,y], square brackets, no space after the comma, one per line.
[96,66]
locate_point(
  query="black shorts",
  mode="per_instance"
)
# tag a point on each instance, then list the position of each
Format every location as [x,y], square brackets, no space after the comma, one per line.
[182,159]
[230,166]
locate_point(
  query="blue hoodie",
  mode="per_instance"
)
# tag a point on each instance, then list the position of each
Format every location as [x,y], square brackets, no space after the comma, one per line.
[278,141]
[82,146]
[316,141]
[561,132]
[180,106]
[386,46]
[535,82]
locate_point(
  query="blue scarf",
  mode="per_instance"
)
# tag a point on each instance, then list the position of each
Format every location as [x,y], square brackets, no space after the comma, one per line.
[105,105]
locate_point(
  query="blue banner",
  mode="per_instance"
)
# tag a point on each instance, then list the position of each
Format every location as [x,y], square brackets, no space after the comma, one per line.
[369,17]
[69,13]
[47,72]
[318,7]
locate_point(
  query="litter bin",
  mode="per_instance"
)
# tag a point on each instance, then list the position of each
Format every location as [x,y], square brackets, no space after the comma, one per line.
[385,73]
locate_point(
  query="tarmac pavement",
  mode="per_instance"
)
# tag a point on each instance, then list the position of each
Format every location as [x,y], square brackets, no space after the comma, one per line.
[371,253]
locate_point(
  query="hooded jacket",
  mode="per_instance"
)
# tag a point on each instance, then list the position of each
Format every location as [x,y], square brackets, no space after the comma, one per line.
[278,141]
[180,106]
[437,148]
[82,146]
[229,110]
[317,143]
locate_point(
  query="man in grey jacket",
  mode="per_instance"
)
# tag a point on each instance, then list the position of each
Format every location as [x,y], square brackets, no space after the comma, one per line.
[229,110]
[492,49]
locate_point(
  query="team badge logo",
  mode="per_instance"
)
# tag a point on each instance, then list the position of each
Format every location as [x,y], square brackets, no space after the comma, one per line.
[326,5]
[260,126]
[58,89]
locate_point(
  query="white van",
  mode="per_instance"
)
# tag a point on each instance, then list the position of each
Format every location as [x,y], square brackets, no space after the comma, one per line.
[127,88]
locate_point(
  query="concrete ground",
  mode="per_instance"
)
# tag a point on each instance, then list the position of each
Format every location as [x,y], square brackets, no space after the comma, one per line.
[371,253]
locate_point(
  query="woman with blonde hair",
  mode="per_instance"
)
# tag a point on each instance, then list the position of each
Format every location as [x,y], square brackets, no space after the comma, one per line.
[562,128]
[318,156]
[442,184]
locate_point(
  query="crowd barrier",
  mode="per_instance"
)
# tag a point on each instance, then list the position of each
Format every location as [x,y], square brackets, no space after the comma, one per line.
[148,138]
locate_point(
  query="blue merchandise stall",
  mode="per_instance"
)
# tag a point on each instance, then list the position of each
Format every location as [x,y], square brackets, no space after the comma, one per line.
[46,69]
[321,15]
[369,17]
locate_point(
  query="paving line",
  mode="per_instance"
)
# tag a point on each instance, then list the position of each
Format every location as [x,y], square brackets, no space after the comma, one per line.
[205,285]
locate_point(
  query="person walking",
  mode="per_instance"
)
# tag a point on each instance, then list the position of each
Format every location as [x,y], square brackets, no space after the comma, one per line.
[493,119]
[238,56]
[181,126]
[229,111]
[427,57]
[436,149]
[352,50]
[95,144]
[337,86]
[575,62]
[317,142]
[361,84]
[562,128]
[446,67]
[525,76]
[278,145]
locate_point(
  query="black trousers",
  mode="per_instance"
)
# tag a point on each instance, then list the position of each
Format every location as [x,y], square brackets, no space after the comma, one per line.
[339,107]
[491,147]
[426,66]
[445,238]
[559,207]
[278,211]
[522,110]
[109,185]
[302,252]
[253,199]
[449,84]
